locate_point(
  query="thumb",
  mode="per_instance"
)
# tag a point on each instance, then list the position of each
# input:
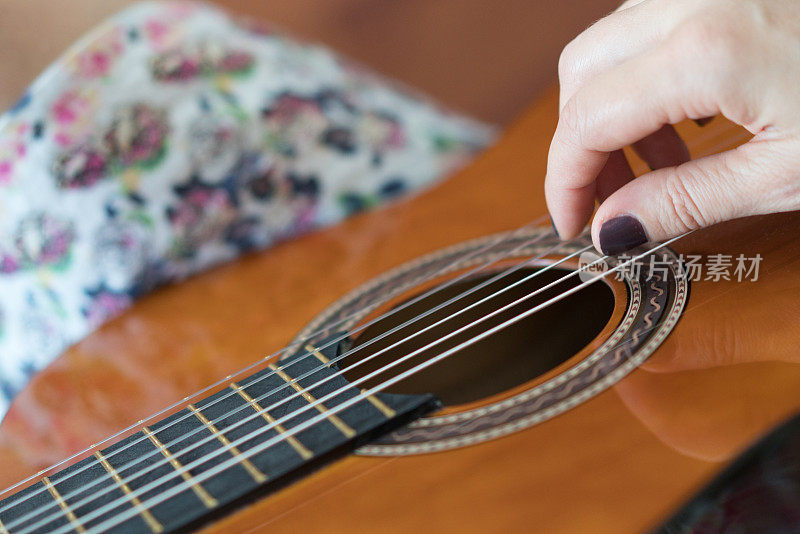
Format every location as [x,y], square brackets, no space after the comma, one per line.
[668,202]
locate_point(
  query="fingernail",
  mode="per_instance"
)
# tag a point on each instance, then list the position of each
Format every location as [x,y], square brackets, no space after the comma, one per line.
[620,234]
[555,230]
[702,122]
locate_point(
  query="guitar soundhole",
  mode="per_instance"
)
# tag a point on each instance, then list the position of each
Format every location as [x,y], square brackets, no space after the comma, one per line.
[508,358]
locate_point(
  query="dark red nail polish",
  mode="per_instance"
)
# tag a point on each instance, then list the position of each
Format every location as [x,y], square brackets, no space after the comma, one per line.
[620,234]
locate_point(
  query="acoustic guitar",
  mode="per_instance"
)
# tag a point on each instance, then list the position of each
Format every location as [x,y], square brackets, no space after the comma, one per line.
[443,364]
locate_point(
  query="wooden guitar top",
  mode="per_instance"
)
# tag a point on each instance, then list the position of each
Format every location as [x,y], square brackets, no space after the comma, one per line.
[623,461]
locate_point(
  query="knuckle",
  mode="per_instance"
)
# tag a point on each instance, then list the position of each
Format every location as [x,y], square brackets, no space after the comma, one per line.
[682,207]
[710,49]
[568,63]
[711,40]
[573,122]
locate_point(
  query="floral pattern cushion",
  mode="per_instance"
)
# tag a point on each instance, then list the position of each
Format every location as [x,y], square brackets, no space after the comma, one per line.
[173,138]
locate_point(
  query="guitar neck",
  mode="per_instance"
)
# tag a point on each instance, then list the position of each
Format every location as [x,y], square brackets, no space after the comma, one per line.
[249,439]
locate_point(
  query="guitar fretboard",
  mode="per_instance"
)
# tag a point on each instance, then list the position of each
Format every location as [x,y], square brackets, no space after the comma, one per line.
[142,484]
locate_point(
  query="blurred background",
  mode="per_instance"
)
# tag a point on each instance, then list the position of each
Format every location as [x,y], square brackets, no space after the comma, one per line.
[489,58]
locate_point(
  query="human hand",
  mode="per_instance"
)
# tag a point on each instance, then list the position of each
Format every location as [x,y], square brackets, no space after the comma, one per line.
[651,64]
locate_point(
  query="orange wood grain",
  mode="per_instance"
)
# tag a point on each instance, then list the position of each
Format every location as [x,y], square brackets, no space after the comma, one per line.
[619,462]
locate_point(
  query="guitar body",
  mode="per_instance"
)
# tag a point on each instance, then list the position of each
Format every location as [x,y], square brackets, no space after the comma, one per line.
[622,459]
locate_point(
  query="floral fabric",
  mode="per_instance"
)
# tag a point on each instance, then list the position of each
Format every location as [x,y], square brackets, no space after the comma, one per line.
[173,138]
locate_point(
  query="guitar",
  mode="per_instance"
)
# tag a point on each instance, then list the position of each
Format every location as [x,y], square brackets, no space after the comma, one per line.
[497,379]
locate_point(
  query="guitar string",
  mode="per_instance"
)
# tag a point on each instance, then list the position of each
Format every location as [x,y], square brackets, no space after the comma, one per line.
[162,497]
[709,134]
[311,372]
[310,336]
[297,412]
[489,246]
[477,269]
[334,360]
[81,503]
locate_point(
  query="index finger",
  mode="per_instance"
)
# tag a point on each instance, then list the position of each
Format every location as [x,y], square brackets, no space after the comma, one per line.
[613,110]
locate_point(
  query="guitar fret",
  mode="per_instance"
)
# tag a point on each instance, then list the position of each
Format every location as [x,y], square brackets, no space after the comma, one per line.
[375,401]
[316,352]
[128,487]
[254,472]
[294,442]
[202,494]
[63,504]
[343,427]
[151,521]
